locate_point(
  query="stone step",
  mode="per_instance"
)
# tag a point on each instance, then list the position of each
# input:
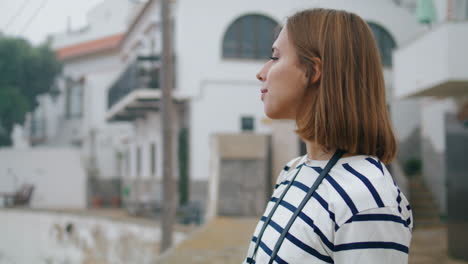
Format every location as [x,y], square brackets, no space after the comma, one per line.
[427,224]
[424,208]
[416,204]
[420,194]
[425,214]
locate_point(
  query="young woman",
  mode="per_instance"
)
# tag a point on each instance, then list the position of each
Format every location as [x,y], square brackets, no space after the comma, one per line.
[338,203]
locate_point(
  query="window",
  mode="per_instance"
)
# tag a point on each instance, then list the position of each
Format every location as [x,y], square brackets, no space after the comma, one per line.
[127,162]
[250,36]
[138,161]
[153,159]
[74,99]
[247,123]
[38,125]
[385,43]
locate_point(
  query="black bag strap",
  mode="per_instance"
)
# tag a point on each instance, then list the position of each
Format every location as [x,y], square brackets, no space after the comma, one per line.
[317,182]
[311,191]
[270,215]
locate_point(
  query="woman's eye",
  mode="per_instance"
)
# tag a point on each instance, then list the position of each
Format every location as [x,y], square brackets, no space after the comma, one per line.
[273,58]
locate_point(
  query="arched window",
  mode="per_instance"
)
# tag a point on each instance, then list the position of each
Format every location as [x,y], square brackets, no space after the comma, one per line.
[249,36]
[385,43]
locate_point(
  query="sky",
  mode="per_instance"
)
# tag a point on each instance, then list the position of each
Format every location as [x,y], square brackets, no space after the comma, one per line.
[35,19]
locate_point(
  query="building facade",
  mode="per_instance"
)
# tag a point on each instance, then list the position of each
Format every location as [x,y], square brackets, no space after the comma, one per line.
[73,115]
[218,51]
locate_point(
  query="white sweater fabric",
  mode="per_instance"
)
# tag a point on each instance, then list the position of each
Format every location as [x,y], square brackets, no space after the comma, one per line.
[357,215]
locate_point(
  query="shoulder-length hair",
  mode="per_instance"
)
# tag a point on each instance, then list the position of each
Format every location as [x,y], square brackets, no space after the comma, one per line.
[346,108]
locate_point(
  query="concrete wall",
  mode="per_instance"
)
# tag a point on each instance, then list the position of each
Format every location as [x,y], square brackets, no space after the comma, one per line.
[285,146]
[457,186]
[219,110]
[57,175]
[434,146]
[239,180]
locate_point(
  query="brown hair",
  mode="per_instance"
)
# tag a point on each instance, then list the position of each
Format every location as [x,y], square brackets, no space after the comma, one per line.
[346,108]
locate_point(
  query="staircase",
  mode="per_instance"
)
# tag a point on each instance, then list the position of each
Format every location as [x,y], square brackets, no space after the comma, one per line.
[425,210]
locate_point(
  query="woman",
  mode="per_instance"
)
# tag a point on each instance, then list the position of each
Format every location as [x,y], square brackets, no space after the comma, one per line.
[338,203]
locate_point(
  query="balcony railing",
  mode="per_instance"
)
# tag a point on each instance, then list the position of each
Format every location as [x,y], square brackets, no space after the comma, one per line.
[138,75]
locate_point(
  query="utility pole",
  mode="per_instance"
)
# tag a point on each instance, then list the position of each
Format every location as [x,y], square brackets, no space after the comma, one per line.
[168,208]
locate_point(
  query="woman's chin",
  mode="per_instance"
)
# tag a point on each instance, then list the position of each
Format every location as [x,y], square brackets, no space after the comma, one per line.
[274,113]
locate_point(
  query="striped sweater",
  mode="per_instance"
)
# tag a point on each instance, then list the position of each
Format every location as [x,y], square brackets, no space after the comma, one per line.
[357,215]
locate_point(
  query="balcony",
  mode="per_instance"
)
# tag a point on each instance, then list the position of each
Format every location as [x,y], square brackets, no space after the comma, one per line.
[434,64]
[138,75]
[136,92]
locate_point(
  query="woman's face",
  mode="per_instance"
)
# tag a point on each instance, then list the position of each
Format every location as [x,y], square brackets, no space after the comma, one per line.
[284,82]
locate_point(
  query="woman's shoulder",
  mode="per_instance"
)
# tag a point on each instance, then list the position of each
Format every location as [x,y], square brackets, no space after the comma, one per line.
[362,184]
[288,167]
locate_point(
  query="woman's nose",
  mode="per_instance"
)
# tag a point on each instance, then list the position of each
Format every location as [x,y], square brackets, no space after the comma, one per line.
[260,75]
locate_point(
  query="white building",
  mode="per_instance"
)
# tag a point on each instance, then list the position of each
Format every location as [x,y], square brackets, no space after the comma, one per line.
[433,67]
[219,47]
[75,116]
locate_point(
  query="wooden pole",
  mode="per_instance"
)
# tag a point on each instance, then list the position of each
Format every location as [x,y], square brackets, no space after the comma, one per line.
[168,208]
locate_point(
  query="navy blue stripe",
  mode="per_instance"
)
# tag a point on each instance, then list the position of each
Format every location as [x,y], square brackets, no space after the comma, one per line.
[378,164]
[317,197]
[373,244]
[306,219]
[324,204]
[282,183]
[408,207]
[340,191]
[299,243]
[301,186]
[377,217]
[368,184]
[308,249]
[286,168]
[267,250]
[398,199]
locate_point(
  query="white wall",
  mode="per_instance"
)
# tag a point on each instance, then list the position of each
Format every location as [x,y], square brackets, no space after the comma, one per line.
[148,131]
[57,174]
[200,54]
[219,110]
[433,59]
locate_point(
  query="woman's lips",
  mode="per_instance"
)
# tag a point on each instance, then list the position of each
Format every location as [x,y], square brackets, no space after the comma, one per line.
[264,91]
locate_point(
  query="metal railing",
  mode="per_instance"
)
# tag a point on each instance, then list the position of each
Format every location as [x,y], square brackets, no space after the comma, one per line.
[138,75]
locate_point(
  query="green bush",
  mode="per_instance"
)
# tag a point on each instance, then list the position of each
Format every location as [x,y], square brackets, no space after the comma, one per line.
[412,166]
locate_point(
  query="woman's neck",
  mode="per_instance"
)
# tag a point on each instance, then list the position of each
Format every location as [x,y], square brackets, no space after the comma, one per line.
[316,152]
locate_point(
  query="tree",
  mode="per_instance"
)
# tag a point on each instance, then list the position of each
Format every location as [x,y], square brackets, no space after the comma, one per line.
[26,71]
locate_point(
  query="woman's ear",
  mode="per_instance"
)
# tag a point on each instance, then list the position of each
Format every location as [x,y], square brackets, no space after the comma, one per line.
[316,71]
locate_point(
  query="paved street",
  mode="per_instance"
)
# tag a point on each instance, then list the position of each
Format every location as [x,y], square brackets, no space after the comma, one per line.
[225,240]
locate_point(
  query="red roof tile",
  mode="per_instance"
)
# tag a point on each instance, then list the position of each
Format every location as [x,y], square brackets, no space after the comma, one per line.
[89,47]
